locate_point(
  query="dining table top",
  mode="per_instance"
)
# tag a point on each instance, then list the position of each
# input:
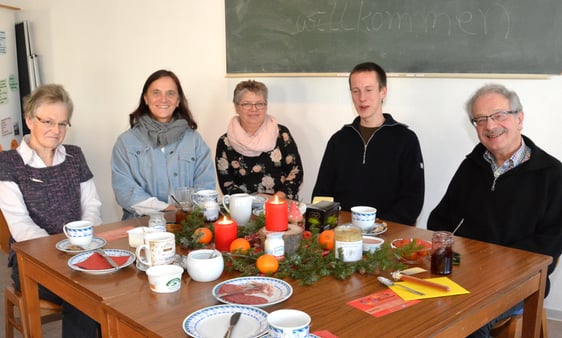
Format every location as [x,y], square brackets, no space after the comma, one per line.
[496,277]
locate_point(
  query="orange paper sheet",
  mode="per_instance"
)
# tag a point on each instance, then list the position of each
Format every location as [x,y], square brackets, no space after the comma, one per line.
[429,291]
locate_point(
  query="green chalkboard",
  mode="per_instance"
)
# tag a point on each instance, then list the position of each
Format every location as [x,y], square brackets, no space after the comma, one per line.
[404,36]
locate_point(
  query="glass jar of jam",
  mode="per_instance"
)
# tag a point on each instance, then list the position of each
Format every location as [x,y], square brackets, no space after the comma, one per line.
[442,253]
[348,237]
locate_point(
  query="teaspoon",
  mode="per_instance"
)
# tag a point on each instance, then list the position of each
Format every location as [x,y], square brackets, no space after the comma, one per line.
[388,282]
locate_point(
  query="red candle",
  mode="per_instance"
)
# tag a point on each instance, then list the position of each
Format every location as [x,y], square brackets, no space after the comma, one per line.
[276,215]
[226,231]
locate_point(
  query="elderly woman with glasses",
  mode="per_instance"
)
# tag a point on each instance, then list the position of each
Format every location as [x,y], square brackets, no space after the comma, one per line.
[44,185]
[257,155]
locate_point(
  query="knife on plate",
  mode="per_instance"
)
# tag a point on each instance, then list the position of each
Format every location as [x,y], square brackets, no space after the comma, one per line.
[233,320]
[102,253]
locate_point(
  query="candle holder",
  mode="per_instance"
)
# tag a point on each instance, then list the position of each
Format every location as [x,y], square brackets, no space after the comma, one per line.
[226,230]
[276,215]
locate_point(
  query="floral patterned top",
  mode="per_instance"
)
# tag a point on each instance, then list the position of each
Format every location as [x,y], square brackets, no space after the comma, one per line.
[277,170]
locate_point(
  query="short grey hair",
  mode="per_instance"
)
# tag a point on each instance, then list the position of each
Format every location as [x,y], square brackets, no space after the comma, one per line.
[48,93]
[253,86]
[511,96]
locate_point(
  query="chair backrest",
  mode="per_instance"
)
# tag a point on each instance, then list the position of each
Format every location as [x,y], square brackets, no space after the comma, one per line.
[4,234]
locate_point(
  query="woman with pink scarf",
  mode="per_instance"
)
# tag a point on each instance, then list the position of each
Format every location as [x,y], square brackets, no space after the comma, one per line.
[257,155]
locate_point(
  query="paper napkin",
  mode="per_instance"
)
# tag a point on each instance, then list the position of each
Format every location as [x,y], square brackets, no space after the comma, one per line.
[97,262]
[429,291]
[381,303]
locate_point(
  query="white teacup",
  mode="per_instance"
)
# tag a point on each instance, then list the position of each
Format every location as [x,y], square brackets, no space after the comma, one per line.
[164,278]
[288,324]
[79,233]
[136,235]
[159,249]
[204,265]
[364,217]
[239,206]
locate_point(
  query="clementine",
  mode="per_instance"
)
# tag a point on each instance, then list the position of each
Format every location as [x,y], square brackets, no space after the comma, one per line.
[204,235]
[240,245]
[267,264]
[326,239]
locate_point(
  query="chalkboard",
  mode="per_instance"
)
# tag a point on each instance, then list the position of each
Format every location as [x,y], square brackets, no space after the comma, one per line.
[411,36]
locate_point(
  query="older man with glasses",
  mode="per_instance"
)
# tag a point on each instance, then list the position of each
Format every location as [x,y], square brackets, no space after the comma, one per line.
[507,190]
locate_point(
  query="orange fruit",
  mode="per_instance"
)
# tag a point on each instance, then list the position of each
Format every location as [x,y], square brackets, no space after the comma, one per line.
[204,235]
[267,264]
[240,245]
[326,239]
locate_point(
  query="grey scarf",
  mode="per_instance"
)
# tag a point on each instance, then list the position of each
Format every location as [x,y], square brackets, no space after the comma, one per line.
[161,134]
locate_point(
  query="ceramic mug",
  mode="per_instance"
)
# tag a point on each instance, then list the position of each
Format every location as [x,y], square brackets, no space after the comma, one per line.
[159,249]
[288,324]
[79,233]
[239,206]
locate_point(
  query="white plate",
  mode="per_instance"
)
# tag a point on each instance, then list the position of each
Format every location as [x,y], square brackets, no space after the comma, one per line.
[213,322]
[310,335]
[281,289]
[379,228]
[110,252]
[65,246]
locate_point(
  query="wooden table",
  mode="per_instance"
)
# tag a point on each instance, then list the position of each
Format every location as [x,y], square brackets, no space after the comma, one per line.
[497,277]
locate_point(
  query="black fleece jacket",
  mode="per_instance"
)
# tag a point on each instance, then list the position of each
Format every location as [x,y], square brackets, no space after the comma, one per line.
[387,173]
[523,211]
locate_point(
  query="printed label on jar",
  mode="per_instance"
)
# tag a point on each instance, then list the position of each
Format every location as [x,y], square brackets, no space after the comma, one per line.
[352,251]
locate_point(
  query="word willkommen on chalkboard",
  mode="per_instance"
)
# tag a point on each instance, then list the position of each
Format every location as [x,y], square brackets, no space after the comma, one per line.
[412,36]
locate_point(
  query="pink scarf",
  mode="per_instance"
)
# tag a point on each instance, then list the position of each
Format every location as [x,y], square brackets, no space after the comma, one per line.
[264,139]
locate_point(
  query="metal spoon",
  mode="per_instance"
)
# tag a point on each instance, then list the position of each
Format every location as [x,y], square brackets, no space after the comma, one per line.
[178,204]
[388,282]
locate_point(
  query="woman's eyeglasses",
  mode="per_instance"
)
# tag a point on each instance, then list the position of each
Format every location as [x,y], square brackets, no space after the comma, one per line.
[248,105]
[51,124]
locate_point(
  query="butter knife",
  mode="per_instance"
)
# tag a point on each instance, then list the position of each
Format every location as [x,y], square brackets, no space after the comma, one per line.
[233,320]
[107,258]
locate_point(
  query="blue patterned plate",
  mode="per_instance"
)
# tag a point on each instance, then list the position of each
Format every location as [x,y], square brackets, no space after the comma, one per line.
[276,290]
[110,252]
[213,322]
[66,246]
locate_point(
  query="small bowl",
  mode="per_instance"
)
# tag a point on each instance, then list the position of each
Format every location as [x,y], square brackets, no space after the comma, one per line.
[201,268]
[415,256]
[372,243]
[164,278]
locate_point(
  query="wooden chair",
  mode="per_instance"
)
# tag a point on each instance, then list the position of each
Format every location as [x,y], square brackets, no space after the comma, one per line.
[512,327]
[13,301]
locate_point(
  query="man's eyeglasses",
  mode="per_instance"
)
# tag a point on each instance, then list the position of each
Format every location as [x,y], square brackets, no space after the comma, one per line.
[248,106]
[51,124]
[496,117]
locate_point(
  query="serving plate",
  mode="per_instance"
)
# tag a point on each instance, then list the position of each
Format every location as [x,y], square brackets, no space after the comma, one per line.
[110,252]
[213,321]
[278,290]
[66,246]
[414,257]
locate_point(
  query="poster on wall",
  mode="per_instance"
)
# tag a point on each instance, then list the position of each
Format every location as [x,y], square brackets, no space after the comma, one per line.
[10,107]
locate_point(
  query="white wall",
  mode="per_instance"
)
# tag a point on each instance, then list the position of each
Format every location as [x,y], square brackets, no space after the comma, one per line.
[103,51]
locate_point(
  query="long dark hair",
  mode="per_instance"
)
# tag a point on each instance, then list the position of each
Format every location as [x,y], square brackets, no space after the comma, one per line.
[181,112]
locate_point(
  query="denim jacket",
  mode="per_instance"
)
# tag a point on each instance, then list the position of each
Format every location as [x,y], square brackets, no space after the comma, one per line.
[140,171]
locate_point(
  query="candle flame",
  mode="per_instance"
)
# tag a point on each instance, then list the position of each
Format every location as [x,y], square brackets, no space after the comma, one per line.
[276,201]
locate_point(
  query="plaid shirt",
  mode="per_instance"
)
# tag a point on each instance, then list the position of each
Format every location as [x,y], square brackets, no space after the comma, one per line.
[522,155]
